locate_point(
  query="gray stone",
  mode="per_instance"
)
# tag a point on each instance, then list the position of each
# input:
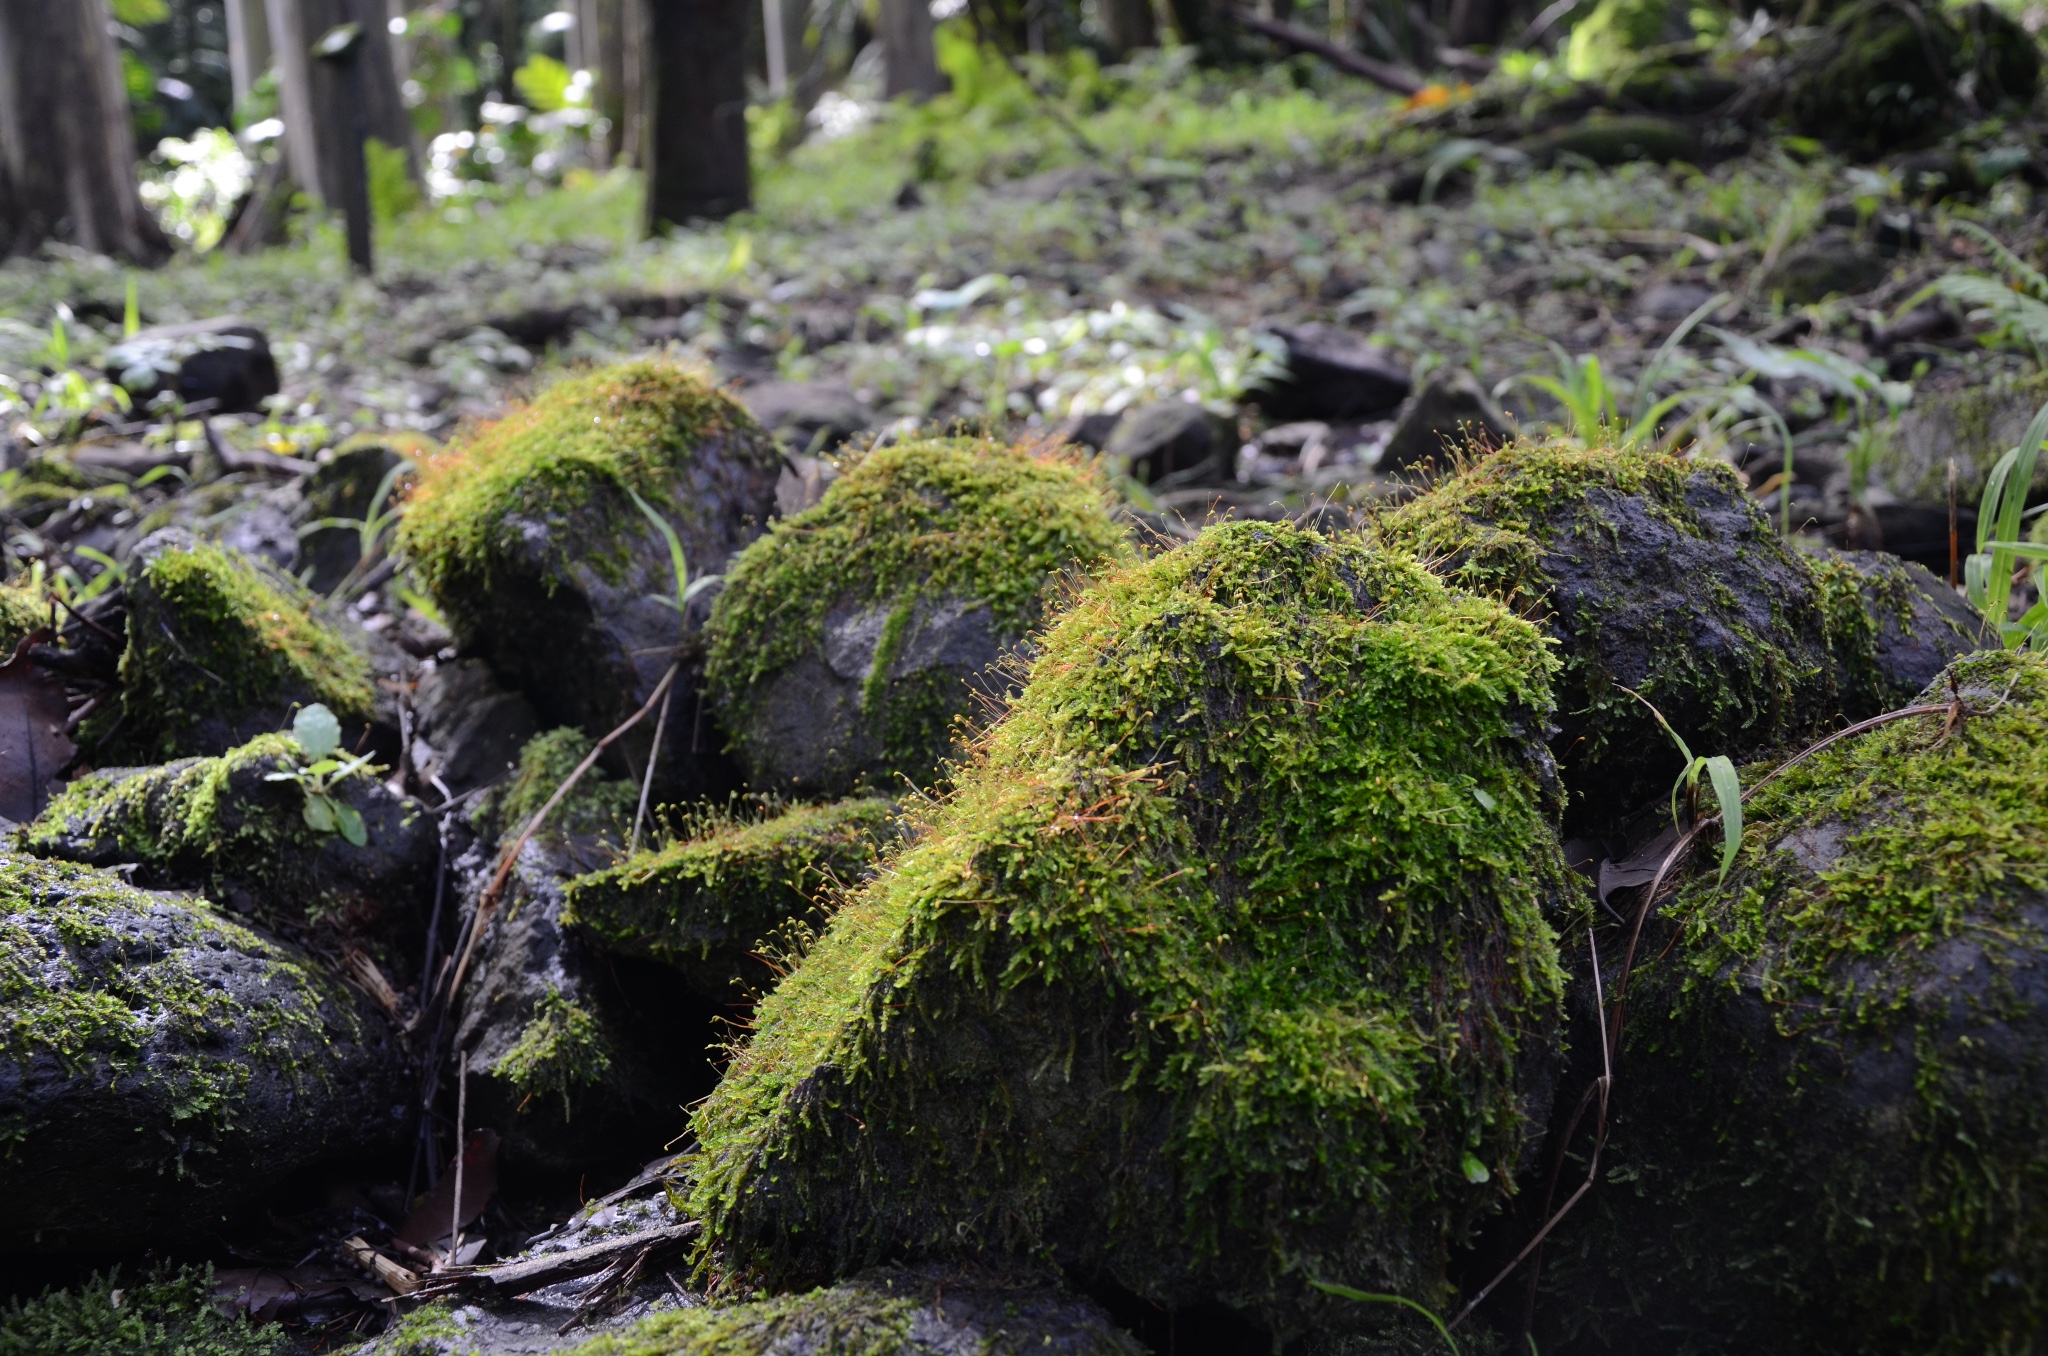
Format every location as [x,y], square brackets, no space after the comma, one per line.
[807,417]
[1451,413]
[1831,263]
[1171,440]
[1332,373]
[226,361]
[1974,426]
[469,728]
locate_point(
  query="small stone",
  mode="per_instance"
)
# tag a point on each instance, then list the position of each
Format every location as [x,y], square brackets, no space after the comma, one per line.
[807,417]
[470,727]
[1170,439]
[1332,373]
[1451,414]
[226,361]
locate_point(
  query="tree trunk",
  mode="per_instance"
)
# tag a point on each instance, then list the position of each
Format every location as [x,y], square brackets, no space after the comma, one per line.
[1477,23]
[697,126]
[1128,25]
[318,105]
[67,145]
[910,66]
[248,45]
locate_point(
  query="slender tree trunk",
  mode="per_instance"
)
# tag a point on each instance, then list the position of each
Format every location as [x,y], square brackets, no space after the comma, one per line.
[1128,25]
[248,45]
[697,124]
[1477,22]
[67,145]
[908,60]
[319,105]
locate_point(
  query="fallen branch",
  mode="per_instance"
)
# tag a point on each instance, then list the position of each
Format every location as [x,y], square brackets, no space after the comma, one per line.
[1382,73]
[534,1273]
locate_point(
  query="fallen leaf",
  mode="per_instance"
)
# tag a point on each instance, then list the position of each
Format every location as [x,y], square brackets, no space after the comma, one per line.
[428,1223]
[33,745]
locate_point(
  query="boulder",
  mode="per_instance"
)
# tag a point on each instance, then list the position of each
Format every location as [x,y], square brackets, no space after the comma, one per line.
[576,1059]
[1833,262]
[1223,966]
[703,905]
[1652,573]
[220,648]
[1170,440]
[1877,76]
[1974,426]
[222,826]
[807,417]
[1892,627]
[1451,415]
[528,536]
[850,639]
[165,1066]
[1332,373]
[469,728]
[225,360]
[1832,1106]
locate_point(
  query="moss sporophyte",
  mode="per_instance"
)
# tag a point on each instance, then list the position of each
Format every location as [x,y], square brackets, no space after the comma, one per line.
[1224,952]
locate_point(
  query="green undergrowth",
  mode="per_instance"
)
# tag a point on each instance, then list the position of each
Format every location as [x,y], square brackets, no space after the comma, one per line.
[213,636]
[70,989]
[22,610]
[702,904]
[590,437]
[909,525]
[169,1312]
[1216,970]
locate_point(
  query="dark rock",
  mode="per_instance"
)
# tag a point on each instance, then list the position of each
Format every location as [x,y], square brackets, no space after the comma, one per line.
[806,416]
[226,361]
[1875,78]
[803,483]
[264,532]
[1894,628]
[1091,430]
[1333,373]
[1832,1123]
[1171,440]
[470,728]
[2000,58]
[1451,415]
[1614,140]
[343,492]
[1915,532]
[1672,301]
[1832,262]
[166,1066]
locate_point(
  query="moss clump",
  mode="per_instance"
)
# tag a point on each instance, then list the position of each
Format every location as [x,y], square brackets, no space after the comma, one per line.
[218,648]
[954,525]
[1835,1134]
[1652,573]
[22,609]
[1216,972]
[1891,627]
[700,905]
[599,806]
[561,1048]
[170,1312]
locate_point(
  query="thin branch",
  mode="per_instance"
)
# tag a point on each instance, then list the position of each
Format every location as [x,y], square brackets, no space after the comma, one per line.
[1382,73]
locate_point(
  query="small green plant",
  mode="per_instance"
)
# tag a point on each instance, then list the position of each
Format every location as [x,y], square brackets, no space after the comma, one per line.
[165,1313]
[318,735]
[1988,574]
[1372,1297]
[2014,302]
[686,587]
[1685,792]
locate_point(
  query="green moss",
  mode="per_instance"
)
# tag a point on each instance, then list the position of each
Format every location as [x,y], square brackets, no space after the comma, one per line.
[701,904]
[1837,1060]
[22,610]
[913,522]
[70,990]
[561,1048]
[210,635]
[170,1312]
[599,806]
[636,426]
[430,1330]
[1216,963]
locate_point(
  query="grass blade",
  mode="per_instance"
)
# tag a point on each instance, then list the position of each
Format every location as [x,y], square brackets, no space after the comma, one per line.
[675,550]
[1371,1297]
[1728,791]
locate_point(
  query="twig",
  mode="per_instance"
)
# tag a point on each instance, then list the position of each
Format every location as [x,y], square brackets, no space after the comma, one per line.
[647,782]
[1382,73]
[461,1115]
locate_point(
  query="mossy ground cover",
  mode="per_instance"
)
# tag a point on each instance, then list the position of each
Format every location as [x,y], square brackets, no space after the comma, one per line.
[1834,1132]
[701,904]
[169,1311]
[212,635]
[909,524]
[1216,972]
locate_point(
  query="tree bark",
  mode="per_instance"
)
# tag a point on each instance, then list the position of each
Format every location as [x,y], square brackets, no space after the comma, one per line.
[1478,22]
[316,96]
[697,103]
[1128,25]
[909,63]
[248,45]
[67,145]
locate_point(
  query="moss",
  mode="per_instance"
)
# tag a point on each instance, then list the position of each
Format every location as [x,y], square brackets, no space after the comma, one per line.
[915,522]
[599,806]
[212,634]
[561,1048]
[1215,965]
[22,610]
[1837,1056]
[169,1312]
[1651,572]
[701,904]
[636,426]
[70,989]
[433,1329]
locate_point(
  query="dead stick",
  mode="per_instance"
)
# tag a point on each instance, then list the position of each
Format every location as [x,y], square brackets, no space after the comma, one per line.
[461,1115]
[647,782]
[1384,74]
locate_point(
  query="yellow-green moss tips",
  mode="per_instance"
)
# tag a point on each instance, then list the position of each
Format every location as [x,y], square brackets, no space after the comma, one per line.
[960,528]
[1226,951]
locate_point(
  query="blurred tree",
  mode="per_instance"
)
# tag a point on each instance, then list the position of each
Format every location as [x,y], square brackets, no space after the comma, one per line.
[909,65]
[1127,25]
[67,145]
[696,157]
[319,98]
[249,51]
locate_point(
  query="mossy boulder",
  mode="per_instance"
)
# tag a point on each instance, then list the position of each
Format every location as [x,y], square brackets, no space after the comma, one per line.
[1652,573]
[1879,76]
[1832,1124]
[1892,627]
[889,1311]
[222,826]
[1223,968]
[162,1065]
[22,610]
[1973,426]
[702,905]
[528,535]
[848,641]
[222,648]
[577,1059]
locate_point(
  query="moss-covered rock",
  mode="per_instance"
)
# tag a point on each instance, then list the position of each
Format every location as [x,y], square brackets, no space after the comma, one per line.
[161,1065]
[1973,426]
[1880,75]
[222,826]
[1223,968]
[889,1311]
[702,905]
[165,1311]
[22,609]
[843,647]
[221,648]
[1832,1128]
[527,534]
[1652,573]
[1892,627]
